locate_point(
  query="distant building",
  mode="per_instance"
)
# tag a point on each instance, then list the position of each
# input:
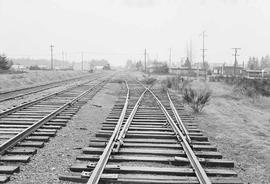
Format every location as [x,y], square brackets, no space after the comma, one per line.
[257,74]
[213,65]
[185,71]
[227,70]
[158,67]
[98,67]
[18,68]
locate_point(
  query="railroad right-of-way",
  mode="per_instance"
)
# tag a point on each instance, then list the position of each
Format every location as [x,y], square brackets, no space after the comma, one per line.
[150,138]
[19,93]
[25,128]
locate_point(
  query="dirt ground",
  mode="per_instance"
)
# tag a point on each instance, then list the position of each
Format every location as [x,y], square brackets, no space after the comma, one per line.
[60,152]
[239,126]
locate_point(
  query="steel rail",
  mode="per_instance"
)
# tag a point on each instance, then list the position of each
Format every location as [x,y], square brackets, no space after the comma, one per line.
[46,84]
[97,172]
[178,119]
[7,112]
[122,135]
[199,171]
[22,135]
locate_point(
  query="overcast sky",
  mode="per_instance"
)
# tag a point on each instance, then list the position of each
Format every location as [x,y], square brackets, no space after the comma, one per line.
[120,29]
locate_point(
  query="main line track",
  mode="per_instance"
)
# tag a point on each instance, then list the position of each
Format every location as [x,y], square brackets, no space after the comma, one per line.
[149,138]
[27,127]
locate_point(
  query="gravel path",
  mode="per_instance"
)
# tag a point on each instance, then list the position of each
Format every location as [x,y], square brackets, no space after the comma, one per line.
[61,151]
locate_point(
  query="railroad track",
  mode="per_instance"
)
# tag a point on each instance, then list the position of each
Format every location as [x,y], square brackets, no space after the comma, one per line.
[27,127]
[18,93]
[149,138]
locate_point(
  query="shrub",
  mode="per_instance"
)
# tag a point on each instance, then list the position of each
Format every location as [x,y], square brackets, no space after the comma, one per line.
[252,87]
[196,99]
[175,82]
[149,80]
[5,63]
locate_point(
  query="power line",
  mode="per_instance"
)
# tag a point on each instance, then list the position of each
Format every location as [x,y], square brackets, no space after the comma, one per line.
[82,60]
[235,59]
[170,57]
[190,51]
[51,46]
[63,56]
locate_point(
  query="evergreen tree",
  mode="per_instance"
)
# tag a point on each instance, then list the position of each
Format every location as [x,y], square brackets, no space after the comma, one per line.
[253,63]
[5,63]
[187,63]
[139,65]
[265,61]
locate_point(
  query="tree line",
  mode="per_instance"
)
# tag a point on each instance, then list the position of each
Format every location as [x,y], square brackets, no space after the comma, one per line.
[255,64]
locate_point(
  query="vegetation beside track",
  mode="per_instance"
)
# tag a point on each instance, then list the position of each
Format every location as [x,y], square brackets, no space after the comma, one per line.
[239,126]
[195,93]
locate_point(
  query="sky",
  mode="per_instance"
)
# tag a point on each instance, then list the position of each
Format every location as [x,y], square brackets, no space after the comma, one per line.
[118,30]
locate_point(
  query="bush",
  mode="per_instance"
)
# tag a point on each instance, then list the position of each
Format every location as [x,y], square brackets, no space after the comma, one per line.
[34,67]
[196,99]
[175,82]
[149,80]
[5,63]
[252,87]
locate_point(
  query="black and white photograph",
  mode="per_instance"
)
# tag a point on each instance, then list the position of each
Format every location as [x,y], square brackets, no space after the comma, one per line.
[135,91]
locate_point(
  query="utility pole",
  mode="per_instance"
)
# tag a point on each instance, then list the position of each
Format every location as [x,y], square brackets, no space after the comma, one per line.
[51,46]
[203,52]
[63,56]
[188,56]
[82,61]
[66,57]
[235,59]
[190,51]
[170,58]
[145,60]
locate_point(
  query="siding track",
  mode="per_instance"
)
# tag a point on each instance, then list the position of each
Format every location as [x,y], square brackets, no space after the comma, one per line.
[149,138]
[19,93]
[27,127]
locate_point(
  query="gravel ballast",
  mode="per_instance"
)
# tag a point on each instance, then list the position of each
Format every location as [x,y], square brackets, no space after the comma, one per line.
[60,152]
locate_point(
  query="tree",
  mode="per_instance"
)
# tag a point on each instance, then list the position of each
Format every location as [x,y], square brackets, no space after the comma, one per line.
[139,65]
[205,66]
[129,64]
[265,61]
[107,67]
[5,63]
[187,63]
[253,63]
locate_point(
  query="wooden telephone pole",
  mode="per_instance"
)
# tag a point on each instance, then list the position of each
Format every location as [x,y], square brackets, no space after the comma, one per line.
[145,60]
[235,60]
[51,46]
[82,60]
[203,52]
